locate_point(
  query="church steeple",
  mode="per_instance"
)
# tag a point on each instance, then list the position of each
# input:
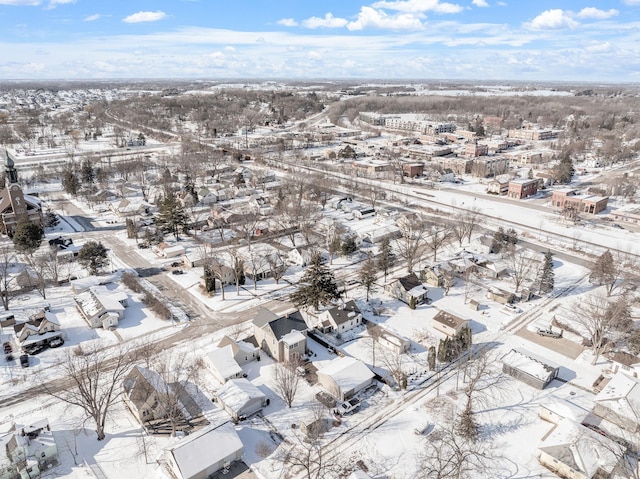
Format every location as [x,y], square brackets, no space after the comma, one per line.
[12,174]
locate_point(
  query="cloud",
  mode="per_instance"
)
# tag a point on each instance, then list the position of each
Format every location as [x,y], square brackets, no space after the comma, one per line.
[418,6]
[631,2]
[54,3]
[328,21]
[21,3]
[287,22]
[92,18]
[592,12]
[480,3]
[145,17]
[552,20]
[372,18]
[501,4]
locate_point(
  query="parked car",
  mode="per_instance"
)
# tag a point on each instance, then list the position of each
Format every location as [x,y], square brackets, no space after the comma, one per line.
[549,333]
[347,407]
[7,348]
[616,225]
[56,342]
[35,349]
[177,271]
[143,245]
[511,309]
[176,264]
[24,360]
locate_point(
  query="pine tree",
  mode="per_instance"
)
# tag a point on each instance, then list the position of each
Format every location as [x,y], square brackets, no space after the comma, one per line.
[546,277]
[498,240]
[385,257]
[27,236]
[317,286]
[93,256]
[171,217]
[431,358]
[70,182]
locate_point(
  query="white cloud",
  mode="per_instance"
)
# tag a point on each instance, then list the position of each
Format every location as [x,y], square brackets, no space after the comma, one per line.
[145,17]
[54,3]
[553,19]
[372,18]
[418,6]
[21,3]
[480,3]
[328,21]
[501,4]
[592,12]
[632,2]
[287,22]
[92,18]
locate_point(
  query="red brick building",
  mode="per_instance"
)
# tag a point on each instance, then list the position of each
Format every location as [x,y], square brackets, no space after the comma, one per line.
[519,189]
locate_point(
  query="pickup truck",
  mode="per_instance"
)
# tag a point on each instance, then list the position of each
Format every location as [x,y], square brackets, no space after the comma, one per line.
[549,333]
[347,407]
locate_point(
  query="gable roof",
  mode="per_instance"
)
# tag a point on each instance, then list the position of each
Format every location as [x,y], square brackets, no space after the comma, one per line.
[343,313]
[410,281]
[448,319]
[622,396]
[236,393]
[223,361]
[280,326]
[196,452]
[347,372]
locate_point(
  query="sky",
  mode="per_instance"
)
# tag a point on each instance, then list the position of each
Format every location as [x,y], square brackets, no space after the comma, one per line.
[542,40]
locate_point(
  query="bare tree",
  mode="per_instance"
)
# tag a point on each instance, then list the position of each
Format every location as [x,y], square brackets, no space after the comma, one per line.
[483,383]
[368,273]
[7,260]
[92,381]
[437,235]
[277,266]
[393,362]
[464,224]
[521,266]
[287,380]
[601,318]
[237,266]
[412,244]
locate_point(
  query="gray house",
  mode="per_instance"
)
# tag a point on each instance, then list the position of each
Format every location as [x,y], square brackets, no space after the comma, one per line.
[282,337]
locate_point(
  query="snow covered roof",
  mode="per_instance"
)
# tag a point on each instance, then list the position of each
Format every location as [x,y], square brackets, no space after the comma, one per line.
[223,361]
[580,448]
[347,372]
[236,393]
[530,363]
[294,337]
[622,396]
[565,409]
[196,452]
[343,313]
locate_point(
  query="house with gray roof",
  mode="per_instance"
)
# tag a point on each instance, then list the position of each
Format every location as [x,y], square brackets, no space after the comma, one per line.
[282,337]
[340,318]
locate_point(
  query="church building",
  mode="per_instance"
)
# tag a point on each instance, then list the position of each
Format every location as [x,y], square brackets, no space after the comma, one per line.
[14,204]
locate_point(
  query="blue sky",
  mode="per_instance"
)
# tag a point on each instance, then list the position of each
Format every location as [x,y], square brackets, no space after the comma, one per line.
[561,40]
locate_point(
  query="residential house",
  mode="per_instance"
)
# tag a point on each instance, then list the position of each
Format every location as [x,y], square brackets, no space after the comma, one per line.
[435,275]
[390,339]
[145,394]
[519,189]
[126,208]
[240,398]
[345,377]
[194,258]
[500,296]
[573,451]
[100,307]
[223,365]
[201,454]
[623,361]
[407,288]
[529,368]
[619,402]
[166,251]
[243,351]
[27,451]
[301,255]
[282,337]
[41,328]
[448,323]
[340,318]
[498,187]
[555,409]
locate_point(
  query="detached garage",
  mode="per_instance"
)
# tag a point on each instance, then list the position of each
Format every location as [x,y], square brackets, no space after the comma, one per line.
[345,377]
[199,455]
[240,398]
[529,368]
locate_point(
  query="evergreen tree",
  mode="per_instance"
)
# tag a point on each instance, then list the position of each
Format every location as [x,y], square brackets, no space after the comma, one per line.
[348,246]
[431,358]
[93,256]
[317,286]
[563,171]
[87,173]
[385,257]
[28,236]
[498,240]
[368,274]
[70,182]
[171,216]
[546,277]
[604,270]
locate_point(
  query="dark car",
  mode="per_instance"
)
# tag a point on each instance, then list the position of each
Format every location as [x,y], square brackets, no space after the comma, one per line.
[24,361]
[177,271]
[176,264]
[143,245]
[35,349]
[7,348]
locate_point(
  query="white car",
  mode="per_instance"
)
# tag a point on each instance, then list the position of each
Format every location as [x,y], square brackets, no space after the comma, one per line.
[511,309]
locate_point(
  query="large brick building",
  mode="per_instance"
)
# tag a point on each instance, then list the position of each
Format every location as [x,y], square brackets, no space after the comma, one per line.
[519,189]
[568,198]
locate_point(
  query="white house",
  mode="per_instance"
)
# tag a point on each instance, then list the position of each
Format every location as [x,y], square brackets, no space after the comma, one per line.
[27,450]
[340,318]
[448,323]
[171,251]
[240,398]
[619,402]
[101,307]
[223,365]
[201,454]
[344,377]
